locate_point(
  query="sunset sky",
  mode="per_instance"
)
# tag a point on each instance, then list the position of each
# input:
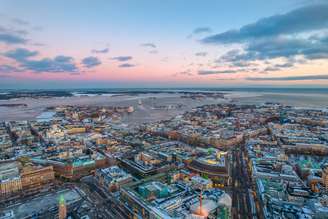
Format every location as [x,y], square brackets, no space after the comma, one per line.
[163,43]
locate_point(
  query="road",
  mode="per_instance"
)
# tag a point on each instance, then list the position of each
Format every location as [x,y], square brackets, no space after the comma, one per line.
[105,204]
[241,207]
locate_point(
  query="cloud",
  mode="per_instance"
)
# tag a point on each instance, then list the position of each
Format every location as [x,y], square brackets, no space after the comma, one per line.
[20,54]
[211,72]
[287,47]
[122,58]
[10,36]
[296,50]
[278,67]
[201,54]
[271,68]
[284,65]
[291,78]
[149,45]
[58,64]
[126,65]
[20,21]
[230,56]
[241,64]
[91,61]
[186,73]
[8,69]
[226,79]
[307,18]
[278,47]
[300,35]
[200,30]
[97,51]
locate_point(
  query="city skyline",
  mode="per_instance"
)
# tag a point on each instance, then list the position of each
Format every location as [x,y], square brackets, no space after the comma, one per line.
[80,44]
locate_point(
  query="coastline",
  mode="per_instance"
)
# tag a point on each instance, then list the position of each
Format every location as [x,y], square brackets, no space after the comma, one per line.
[31,108]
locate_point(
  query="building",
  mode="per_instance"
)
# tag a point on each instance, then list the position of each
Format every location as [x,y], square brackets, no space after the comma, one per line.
[145,164]
[198,182]
[75,167]
[71,129]
[10,179]
[22,176]
[160,197]
[214,166]
[211,208]
[325,175]
[112,177]
[57,203]
[34,177]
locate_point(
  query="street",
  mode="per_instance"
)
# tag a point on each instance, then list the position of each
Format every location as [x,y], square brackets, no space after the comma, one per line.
[241,207]
[106,205]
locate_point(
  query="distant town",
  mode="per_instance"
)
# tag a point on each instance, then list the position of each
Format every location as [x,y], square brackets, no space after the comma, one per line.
[225,160]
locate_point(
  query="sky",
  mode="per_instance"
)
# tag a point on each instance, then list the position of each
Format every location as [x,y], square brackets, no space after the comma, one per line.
[156,43]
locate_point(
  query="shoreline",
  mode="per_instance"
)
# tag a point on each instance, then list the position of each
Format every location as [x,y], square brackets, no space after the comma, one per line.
[31,108]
